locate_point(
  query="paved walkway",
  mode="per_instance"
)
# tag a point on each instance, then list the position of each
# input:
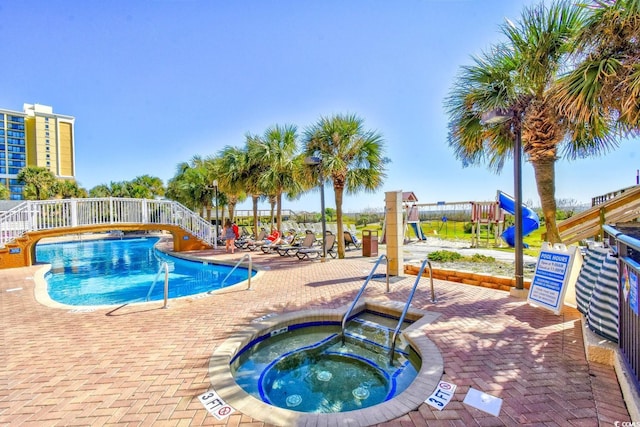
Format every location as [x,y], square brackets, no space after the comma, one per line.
[142,365]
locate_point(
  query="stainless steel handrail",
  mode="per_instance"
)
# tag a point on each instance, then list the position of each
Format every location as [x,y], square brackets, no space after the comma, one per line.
[406,306]
[166,285]
[364,285]
[164,267]
[250,269]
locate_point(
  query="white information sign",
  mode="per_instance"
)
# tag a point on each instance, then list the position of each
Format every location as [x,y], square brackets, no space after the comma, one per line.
[215,405]
[442,395]
[556,270]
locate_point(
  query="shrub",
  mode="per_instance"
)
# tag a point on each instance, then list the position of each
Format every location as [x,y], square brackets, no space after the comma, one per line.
[444,256]
[482,258]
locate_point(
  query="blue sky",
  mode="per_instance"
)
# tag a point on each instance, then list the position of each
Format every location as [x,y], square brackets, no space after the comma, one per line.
[152,84]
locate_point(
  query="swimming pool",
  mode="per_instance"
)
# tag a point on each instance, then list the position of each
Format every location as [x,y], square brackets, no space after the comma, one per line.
[109,272]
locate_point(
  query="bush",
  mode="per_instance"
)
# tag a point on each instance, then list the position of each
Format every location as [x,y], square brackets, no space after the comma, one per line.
[482,258]
[444,256]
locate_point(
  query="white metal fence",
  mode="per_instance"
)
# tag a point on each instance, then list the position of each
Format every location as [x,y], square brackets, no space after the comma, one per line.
[35,215]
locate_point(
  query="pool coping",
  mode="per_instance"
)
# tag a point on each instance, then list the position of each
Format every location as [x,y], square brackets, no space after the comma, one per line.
[414,395]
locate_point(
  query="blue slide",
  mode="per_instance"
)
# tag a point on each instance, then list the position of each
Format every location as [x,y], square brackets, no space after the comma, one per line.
[530,220]
[418,231]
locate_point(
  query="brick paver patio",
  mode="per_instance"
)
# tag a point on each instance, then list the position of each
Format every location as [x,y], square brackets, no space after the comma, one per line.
[142,365]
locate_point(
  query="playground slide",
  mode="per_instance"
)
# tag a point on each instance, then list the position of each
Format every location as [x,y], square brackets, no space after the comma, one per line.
[418,231]
[530,221]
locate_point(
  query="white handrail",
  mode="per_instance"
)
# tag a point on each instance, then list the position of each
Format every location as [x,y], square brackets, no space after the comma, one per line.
[36,215]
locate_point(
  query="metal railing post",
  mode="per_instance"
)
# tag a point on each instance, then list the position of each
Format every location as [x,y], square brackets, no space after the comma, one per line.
[250,269]
[166,285]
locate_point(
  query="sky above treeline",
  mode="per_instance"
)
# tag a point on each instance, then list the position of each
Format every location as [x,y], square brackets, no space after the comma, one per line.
[153,83]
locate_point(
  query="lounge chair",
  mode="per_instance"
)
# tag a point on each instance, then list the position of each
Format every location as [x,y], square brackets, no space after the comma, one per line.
[269,248]
[272,239]
[316,251]
[306,243]
[246,243]
[351,239]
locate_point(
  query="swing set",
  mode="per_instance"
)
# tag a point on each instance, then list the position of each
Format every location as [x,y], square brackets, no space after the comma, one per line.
[448,219]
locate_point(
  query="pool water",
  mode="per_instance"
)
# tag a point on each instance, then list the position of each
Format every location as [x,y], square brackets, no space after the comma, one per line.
[308,369]
[109,272]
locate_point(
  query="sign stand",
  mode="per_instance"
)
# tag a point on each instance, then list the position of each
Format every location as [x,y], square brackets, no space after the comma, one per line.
[557,270]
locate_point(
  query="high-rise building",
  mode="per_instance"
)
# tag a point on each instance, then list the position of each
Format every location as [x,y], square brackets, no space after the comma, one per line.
[35,137]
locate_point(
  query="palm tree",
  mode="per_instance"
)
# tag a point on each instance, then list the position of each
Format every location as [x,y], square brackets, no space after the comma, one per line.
[192,185]
[147,187]
[5,194]
[100,190]
[255,167]
[68,189]
[38,182]
[352,158]
[119,189]
[230,169]
[520,76]
[605,85]
[276,151]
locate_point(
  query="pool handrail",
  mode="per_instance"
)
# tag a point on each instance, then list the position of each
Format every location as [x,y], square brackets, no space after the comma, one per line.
[364,285]
[406,306]
[164,267]
[166,285]
[249,270]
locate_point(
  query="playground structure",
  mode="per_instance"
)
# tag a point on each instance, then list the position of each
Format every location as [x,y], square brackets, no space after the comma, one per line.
[487,219]
[444,218]
[423,219]
[412,215]
[530,220]
[490,216]
[435,217]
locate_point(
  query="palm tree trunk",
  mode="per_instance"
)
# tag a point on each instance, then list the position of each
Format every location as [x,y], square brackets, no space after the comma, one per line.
[279,211]
[340,229]
[233,201]
[545,180]
[232,209]
[255,215]
[272,203]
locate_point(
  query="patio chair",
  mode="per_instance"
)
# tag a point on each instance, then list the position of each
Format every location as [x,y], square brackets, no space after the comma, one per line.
[246,242]
[272,239]
[306,243]
[286,242]
[316,251]
[351,240]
